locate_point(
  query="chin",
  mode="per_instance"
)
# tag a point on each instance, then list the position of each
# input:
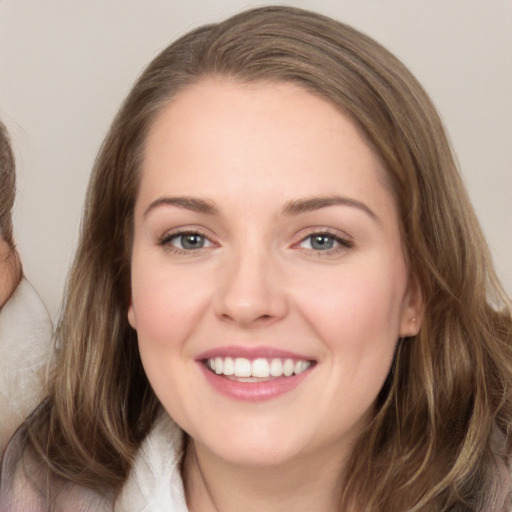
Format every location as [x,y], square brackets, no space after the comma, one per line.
[257,454]
[256,444]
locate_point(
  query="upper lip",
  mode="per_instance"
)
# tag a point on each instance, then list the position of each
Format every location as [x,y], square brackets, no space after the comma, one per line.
[253,352]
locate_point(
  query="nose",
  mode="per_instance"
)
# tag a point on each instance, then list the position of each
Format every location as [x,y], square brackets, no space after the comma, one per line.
[251,290]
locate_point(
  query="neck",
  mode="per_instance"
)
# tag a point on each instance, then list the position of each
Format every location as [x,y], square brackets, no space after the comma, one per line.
[304,484]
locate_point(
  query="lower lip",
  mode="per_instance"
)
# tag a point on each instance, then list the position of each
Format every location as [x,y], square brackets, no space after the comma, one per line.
[253,391]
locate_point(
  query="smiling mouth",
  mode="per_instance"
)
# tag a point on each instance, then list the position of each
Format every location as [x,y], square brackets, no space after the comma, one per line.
[242,369]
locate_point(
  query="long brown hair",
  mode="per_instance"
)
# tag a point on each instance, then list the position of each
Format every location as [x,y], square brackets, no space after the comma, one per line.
[443,417]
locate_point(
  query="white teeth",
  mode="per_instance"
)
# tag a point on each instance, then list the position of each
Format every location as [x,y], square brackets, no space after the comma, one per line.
[260,368]
[242,367]
[218,365]
[300,366]
[229,366]
[288,367]
[276,368]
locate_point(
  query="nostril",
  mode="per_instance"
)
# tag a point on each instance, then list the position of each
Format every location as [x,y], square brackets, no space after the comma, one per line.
[264,318]
[258,319]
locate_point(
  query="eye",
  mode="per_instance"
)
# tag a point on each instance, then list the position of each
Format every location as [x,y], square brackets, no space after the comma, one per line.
[186,241]
[324,242]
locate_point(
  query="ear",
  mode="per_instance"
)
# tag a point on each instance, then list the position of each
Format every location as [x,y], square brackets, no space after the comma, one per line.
[412,310]
[131,315]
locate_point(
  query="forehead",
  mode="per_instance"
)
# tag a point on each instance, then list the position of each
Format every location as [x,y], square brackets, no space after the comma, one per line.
[263,135]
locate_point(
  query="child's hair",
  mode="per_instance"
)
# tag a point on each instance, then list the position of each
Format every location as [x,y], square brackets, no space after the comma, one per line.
[7,185]
[442,420]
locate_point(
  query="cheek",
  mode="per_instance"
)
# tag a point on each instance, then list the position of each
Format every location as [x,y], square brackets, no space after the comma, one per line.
[357,312]
[357,318]
[166,304]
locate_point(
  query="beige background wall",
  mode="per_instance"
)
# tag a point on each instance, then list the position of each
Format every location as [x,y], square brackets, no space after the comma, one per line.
[65,66]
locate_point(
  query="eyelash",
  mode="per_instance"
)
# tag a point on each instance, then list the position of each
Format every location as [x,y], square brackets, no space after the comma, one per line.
[343,243]
[165,241]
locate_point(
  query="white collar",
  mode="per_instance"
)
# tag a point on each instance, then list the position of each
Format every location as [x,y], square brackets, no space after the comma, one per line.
[155,481]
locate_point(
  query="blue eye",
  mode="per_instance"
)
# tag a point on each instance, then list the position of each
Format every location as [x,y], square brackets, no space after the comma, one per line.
[324,242]
[187,241]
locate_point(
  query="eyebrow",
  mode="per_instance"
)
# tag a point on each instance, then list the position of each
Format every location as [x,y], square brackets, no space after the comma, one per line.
[309,204]
[188,203]
[295,207]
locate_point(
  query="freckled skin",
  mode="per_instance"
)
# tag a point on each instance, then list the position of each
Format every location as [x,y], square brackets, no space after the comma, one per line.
[250,149]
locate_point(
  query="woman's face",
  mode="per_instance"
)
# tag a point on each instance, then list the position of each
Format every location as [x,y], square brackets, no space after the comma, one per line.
[269,286]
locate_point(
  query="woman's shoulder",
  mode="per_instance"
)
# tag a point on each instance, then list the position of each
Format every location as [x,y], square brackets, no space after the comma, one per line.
[24,486]
[154,482]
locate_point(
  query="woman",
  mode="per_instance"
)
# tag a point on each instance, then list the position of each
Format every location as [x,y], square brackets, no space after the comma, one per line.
[325,339]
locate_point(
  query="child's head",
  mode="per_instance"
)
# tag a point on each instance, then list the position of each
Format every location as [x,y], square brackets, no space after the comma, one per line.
[10,265]
[7,185]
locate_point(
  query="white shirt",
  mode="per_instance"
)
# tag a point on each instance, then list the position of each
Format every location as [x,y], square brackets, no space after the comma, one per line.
[25,348]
